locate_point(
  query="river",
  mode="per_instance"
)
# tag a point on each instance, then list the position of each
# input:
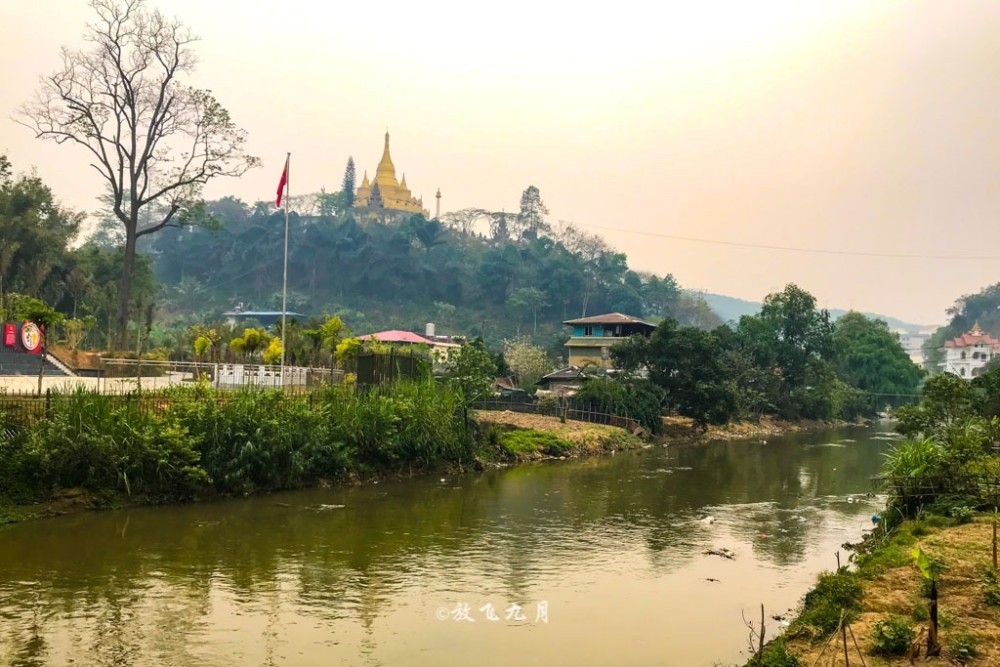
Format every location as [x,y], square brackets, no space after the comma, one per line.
[590,562]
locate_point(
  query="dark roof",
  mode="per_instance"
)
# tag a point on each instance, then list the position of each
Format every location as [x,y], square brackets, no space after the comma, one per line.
[610,318]
[567,373]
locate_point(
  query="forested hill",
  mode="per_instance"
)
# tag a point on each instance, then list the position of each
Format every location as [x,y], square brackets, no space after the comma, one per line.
[506,278]
[731,309]
[982,308]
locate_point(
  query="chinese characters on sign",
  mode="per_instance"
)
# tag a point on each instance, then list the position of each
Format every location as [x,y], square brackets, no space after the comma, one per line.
[463,611]
[31,338]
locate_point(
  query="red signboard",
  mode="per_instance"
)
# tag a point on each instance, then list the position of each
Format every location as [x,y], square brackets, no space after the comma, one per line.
[9,335]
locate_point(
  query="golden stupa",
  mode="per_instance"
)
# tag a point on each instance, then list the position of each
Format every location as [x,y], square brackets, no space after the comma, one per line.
[394,195]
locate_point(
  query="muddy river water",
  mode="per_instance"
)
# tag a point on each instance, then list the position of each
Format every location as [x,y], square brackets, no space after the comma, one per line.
[568,563]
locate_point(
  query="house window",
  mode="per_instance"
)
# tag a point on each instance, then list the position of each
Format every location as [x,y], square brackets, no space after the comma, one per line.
[588,330]
[963,354]
[961,371]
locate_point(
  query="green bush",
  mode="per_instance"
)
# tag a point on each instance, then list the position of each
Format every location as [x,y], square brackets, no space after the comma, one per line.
[104,443]
[775,655]
[525,442]
[963,647]
[640,400]
[822,606]
[891,636]
[963,514]
[990,587]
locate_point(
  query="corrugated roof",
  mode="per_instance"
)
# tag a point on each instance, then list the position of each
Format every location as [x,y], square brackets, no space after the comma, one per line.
[610,318]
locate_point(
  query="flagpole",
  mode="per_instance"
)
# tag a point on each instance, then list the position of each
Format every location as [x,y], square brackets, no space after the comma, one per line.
[284,281]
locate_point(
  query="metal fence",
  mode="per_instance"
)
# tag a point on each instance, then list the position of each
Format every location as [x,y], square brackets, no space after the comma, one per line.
[23,408]
[574,410]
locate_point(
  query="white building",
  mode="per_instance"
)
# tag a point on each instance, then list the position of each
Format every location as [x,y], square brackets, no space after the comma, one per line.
[966,355]
[913,344]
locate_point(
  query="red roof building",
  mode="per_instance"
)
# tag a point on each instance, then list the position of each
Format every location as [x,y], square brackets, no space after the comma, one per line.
[967,355]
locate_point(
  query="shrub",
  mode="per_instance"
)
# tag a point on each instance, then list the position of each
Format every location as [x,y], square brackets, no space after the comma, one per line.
[775,655]
[963,647]
[990,587]
[835,592]
[962,514]
[891,636]
[521,442]
[920,613]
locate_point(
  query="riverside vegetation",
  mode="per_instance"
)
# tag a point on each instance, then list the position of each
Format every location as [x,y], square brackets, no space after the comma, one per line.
[925,578]
[188,443]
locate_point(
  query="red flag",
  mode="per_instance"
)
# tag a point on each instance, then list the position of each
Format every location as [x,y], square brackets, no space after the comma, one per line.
[281,183]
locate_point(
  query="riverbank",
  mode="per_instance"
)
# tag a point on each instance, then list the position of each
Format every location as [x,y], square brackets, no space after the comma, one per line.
[101,452]
[46,456]
[888,606]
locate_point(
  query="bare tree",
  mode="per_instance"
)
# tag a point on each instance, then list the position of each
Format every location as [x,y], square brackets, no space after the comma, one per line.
[154,140]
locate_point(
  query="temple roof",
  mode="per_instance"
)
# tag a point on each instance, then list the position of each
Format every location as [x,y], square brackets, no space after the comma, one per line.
[975,336]
[386,171]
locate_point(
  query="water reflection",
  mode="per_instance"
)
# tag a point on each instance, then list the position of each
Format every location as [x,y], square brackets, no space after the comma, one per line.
[355,576]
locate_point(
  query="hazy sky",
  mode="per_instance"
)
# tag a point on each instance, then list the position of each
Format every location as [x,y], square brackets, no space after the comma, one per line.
[856,127]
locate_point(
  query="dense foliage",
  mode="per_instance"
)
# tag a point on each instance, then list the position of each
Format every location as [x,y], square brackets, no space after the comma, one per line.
[191,441]
[949,444]
[790,360]
[402,272]
[38,259]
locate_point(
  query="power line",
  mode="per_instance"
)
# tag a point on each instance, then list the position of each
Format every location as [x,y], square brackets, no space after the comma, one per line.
[817,251]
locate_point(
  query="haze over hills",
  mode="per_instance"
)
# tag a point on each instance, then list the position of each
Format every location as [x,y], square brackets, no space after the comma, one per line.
[731,308]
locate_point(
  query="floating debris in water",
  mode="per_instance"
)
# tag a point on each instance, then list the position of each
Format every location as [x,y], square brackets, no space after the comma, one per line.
[725,553]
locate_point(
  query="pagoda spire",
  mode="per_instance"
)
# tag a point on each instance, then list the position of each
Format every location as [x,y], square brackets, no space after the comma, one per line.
[386,171]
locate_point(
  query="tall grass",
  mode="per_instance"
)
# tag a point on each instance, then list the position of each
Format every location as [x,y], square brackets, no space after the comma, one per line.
[184,442]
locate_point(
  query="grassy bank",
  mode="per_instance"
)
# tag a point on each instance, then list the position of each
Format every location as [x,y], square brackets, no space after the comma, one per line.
[886,599]
[93,450]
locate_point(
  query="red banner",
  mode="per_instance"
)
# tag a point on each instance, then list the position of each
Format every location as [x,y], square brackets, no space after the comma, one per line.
[9,335]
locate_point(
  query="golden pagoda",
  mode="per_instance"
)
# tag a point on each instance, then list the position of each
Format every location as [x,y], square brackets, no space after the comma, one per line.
[389,193]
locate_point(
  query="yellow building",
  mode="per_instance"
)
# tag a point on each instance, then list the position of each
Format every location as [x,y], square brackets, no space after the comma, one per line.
[386,192]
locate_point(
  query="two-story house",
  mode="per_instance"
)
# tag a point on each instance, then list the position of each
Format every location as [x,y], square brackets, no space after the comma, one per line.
[966,355]
[593,337]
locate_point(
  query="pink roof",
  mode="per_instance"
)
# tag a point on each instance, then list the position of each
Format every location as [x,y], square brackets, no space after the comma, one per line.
[397,336]
[974,337]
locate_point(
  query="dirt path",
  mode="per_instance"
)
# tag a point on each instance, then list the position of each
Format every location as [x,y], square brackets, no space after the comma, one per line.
[572,431]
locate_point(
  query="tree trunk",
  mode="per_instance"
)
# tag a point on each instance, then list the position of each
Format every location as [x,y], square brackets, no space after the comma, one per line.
[125,292]
[933,647]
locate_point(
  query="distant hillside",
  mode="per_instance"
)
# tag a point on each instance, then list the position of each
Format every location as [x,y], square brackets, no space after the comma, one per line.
[730,309]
